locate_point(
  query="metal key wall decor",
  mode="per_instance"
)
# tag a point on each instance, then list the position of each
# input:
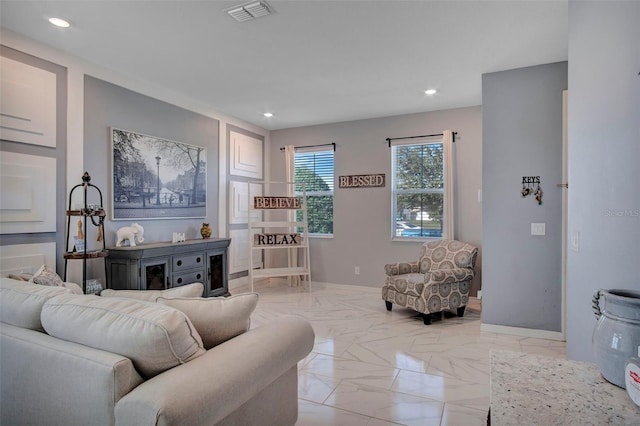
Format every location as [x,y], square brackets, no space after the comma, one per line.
[531,186]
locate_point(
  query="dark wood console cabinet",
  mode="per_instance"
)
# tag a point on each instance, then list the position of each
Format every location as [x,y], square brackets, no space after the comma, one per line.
[158,266]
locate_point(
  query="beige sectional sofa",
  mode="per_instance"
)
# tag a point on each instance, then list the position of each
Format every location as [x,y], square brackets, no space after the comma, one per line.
[56,368]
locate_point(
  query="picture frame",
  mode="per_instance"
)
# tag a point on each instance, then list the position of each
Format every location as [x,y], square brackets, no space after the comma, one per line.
[156,178]
[78,244]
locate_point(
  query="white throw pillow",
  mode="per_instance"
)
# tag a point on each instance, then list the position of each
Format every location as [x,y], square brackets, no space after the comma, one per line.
[21,302]
[189,290]
[73,287]
[155,337]
[217,319]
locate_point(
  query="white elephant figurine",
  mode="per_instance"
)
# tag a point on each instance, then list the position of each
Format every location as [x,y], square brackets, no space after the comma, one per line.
[131,233]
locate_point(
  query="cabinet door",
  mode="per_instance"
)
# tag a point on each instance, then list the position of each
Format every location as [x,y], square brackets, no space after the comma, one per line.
[216,284]
[154,274]
[122,274]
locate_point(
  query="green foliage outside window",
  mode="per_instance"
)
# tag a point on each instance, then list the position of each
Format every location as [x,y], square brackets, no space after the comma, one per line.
[315,170]
[418,190]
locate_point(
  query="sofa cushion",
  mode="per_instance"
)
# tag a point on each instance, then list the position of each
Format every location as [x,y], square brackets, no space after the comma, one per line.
[21,302]
[189,290]
[155,337]
[217,319]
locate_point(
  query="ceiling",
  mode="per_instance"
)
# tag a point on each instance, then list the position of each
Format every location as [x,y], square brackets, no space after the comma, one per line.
[310,62]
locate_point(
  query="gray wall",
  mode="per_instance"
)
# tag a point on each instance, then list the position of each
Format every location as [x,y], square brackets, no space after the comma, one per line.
[522,136]
[604,159]
[362,217]
[59,153]
[107,105]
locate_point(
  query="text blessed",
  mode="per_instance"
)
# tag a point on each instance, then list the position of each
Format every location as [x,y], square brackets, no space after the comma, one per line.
[361,181]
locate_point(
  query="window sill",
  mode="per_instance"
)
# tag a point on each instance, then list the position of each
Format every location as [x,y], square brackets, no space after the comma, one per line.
[321,236]
[414,240]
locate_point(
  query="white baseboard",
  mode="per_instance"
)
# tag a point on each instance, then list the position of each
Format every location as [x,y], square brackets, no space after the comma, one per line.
[524,332]
[479,296]
[238,283]
[243,284]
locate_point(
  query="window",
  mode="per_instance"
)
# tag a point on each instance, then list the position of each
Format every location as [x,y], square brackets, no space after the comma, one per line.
[314,168]
[417,190]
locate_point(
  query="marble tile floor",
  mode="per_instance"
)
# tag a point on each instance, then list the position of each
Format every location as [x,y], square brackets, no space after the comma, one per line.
[370,367]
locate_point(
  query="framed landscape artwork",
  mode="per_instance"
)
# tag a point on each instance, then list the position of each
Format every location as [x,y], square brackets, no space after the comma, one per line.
[156,178]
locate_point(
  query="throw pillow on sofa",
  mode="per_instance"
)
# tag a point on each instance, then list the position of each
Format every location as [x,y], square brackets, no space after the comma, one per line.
[21,302]
[189,290]
[46,276]
[155,337]
[217,319]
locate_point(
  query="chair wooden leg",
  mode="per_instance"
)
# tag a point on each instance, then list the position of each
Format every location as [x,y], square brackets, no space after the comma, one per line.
[461,311]
[426,318]
[388,304]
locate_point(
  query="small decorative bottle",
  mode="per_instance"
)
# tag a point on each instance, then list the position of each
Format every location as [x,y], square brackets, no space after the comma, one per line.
[205,231]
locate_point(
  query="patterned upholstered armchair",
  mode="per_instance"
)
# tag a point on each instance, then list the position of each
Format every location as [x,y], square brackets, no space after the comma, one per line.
[438,281]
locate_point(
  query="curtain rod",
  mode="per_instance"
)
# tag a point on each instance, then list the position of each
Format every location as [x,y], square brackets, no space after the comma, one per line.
[333,144]
[417,137]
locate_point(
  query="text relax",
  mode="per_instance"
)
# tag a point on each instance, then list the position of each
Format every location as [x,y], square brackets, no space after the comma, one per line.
[277,239]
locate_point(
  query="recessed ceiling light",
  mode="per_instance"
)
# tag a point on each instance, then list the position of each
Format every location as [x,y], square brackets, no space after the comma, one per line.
[59,22]
[430,92]
[268,114]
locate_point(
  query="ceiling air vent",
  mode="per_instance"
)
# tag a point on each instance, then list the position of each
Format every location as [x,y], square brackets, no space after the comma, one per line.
[250,11]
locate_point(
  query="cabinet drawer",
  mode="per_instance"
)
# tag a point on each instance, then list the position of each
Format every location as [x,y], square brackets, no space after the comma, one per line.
[188,261]
[187,277]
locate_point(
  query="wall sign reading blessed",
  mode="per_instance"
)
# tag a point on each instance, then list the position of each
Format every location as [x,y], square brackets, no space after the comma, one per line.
[276,203]
[361,181]
[276,240]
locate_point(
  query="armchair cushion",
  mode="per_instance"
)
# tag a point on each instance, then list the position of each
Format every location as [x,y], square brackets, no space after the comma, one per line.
[400,268]
[411,284]
[448,276]
[447,254]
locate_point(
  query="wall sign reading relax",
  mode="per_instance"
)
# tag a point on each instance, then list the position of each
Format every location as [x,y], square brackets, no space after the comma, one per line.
[276,240]
[361,181]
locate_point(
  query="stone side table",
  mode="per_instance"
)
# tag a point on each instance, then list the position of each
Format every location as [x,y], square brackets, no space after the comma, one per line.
[537,390]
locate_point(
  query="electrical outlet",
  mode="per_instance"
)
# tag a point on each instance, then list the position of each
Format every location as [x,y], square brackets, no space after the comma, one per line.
[538,229]
[357,270]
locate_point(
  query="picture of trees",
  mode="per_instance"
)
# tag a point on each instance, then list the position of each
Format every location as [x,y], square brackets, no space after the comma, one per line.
[155,178]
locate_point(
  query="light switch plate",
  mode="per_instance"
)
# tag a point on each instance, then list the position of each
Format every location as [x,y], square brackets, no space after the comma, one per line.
[575,241]
[538,229]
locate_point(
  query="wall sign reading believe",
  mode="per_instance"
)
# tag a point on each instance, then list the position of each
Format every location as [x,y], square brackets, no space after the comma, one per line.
[361,181]
[276,203]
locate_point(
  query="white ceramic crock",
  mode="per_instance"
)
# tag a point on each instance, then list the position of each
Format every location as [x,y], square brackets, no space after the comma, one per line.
[617,333]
